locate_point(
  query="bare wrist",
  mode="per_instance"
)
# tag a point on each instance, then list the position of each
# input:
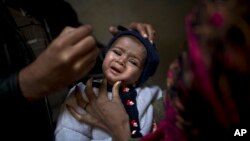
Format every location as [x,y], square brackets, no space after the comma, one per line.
[30,85]
[122,133]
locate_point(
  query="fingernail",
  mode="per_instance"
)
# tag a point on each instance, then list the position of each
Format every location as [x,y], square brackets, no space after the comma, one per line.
[151,41]
[111,28]
[119,82]
[88,26]
[145,35]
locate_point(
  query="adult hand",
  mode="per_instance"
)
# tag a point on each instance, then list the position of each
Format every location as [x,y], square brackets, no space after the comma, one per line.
[102,112]
[146,30]
[68,58]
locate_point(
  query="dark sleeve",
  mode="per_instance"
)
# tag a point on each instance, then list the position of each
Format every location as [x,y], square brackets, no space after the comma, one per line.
[10,89]
[13,57]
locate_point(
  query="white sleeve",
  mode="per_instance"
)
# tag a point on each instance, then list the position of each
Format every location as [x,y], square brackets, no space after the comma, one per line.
[67,134]
[156,91]
[68,128]
[146,96]
[146,121]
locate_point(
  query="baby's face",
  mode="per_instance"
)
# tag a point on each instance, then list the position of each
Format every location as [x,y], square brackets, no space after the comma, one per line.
[124,61]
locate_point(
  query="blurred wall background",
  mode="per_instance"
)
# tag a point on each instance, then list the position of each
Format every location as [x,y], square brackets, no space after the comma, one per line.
[167,17]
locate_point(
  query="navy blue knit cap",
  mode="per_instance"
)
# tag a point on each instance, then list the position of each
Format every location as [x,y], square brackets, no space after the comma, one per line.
[153,58]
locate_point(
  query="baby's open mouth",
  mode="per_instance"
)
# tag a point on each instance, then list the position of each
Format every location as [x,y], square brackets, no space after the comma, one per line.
[115,70]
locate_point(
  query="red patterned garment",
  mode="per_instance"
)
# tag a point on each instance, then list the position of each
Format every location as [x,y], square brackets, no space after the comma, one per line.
[208,86]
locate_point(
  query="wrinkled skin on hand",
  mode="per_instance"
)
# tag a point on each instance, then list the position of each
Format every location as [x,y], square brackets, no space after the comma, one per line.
[102,112]
[68,58]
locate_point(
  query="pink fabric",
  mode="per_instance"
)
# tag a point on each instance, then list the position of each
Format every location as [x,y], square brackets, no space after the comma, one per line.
[202,74]
[217,19]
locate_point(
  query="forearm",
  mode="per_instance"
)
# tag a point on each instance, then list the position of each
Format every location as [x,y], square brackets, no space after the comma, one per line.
[31,84]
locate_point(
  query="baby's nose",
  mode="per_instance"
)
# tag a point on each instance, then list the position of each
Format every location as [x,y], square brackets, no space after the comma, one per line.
[122,60]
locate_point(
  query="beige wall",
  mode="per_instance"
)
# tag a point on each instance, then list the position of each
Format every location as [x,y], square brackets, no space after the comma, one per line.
[167,17]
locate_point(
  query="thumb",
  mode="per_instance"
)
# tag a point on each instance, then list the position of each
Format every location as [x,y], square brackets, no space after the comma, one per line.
[115,90]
